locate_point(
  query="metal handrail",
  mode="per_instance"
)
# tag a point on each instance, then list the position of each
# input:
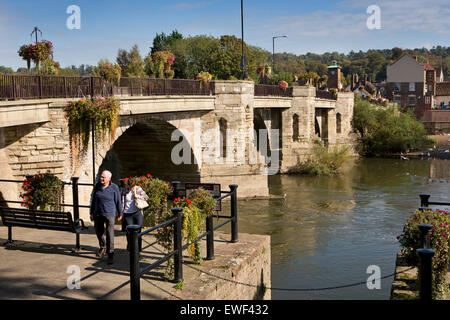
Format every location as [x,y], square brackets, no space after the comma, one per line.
[425,202]
[135,236]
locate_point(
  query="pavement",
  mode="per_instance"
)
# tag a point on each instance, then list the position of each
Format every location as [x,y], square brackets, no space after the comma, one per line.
[40,264]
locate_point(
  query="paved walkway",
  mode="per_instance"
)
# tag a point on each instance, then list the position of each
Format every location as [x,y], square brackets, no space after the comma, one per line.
[36,266]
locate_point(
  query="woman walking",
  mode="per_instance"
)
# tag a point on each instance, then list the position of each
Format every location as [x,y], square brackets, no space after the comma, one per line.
[131,213]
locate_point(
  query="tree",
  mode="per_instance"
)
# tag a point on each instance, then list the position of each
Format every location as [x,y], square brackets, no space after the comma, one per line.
[6,70]
[131,62]
[227,60]
[162,42]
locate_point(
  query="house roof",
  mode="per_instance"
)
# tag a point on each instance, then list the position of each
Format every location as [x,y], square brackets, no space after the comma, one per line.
[427,66]
[443,88]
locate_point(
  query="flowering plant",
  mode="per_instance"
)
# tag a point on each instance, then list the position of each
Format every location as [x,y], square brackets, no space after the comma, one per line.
[161,62]
[110,72]
[264,70]
[80,114]
[410,240]
[204,76]
[43,191]
[282,84]
[36,52]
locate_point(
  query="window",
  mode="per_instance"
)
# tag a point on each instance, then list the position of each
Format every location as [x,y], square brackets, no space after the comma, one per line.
[397,87]
[411,101]
[412,87]
[295,128]
[427,100]
[397,99]
[338,123]
[223,137]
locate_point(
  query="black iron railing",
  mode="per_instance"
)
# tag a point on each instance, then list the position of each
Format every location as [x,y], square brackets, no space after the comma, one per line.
[322,94]
[425,201]
[15,87]
[75,205]
[426,253]
[272,90]
[135,236]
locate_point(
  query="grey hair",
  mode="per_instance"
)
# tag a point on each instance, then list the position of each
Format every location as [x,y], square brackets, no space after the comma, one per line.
[108,173]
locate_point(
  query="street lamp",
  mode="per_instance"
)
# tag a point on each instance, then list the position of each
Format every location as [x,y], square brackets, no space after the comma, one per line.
[243,57]
[273,52]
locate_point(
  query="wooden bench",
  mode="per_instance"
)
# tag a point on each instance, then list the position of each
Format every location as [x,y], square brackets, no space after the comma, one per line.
[38,219]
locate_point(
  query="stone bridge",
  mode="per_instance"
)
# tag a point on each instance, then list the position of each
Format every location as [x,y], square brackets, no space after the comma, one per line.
[155,130]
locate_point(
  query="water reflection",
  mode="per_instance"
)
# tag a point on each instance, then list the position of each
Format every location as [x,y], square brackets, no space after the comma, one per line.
[328,230]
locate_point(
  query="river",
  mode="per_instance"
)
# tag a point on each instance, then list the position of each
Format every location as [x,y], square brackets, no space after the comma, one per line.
[329,230]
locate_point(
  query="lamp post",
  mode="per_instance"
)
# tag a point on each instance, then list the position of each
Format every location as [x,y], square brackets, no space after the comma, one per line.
[243,57]
[273,52]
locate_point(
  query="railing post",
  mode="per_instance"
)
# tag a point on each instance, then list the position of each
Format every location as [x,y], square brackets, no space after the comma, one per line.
[426,273]
[178,258]
[424,200]
[425,234]
[14,87]
[40,86]
[65,86]
[91,83]
[135,279]
[234,213]
[210,238]
[76,209]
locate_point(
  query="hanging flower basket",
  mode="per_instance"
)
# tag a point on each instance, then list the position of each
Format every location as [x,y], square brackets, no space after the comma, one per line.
[283,84]
[110,72]
[36,52]
[80,114]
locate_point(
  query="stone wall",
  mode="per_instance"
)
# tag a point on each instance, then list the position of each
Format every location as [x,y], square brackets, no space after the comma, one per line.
[245,262]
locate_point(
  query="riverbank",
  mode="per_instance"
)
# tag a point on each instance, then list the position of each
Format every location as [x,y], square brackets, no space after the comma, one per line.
[440,151]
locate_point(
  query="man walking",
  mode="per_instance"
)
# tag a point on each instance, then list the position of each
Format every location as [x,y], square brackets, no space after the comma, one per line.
[105,202]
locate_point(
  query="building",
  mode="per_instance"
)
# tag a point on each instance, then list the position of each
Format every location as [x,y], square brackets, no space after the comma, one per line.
[442,98]
[411,84]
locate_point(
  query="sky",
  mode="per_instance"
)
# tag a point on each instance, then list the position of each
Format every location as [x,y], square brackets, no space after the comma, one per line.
[311,26]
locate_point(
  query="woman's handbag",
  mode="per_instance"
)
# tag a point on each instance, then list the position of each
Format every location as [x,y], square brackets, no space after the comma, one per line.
[140,203]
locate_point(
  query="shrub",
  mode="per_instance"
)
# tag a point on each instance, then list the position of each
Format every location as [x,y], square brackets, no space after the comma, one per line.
[324,161]
[43,191]
[410,240]
[386,130]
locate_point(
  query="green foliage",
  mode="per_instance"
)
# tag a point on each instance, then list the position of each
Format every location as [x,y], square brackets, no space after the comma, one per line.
[110,72]
[50,67]
[43,191]
[6,70]
[196,207]
[324,161]
[386,130]
[411,240]
[80,114]
[36,52]
[131,62]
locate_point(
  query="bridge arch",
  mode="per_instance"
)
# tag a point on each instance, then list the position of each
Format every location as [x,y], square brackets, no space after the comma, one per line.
[143,145]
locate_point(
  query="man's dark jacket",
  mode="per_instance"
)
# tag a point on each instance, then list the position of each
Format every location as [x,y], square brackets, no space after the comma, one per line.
[106,201]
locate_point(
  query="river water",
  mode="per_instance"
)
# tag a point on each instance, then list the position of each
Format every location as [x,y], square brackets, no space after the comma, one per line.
[329,230]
